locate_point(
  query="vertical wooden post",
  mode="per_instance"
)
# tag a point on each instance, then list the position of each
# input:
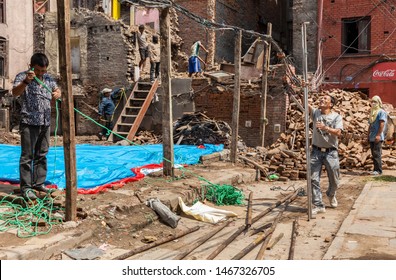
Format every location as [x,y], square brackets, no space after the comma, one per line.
[264,86]
[167,118]
[68,129]
[237,95]
[307,150]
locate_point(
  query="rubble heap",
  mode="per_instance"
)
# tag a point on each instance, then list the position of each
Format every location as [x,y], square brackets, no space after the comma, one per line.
[197,129]
[287,156]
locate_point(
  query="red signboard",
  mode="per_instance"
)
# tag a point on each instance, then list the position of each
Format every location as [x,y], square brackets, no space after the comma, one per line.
[385,71]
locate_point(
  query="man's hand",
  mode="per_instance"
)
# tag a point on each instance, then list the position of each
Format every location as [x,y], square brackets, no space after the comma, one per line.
[29,77]
[377,139]
[56,94]
[321,126]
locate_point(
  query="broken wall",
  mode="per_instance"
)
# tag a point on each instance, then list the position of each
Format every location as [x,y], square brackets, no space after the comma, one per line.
[103,55]
[305,11]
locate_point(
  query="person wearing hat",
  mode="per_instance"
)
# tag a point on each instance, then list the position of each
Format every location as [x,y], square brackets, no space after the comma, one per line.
[106,111]
[377,124]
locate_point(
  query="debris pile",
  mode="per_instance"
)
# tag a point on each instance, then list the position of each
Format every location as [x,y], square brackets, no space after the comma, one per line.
[146,137]
[287,156]
[197,129]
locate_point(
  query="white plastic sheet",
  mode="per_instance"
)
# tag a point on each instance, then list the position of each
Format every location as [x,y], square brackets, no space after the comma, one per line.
[205,213]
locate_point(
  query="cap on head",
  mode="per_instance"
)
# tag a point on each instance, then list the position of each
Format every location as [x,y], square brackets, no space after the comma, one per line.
[106,90]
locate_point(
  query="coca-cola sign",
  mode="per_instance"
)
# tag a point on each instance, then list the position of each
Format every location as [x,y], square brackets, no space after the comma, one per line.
[384,71]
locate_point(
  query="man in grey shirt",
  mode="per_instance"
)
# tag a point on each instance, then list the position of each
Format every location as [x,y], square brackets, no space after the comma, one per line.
[143,47]
[327,127]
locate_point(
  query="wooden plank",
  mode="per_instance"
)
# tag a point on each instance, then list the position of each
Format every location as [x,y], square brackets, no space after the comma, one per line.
[69,141]
[167,118]
[237,97]
[264,88]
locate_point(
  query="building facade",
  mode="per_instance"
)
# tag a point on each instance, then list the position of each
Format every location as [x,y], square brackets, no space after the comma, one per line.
[358,38]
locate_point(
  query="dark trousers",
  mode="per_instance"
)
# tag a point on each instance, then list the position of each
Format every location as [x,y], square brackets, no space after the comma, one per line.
[154,70]
[376,152]
[108,124]
[33,161]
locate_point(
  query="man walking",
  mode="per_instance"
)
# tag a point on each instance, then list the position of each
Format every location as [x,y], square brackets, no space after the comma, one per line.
[327,127]
[36,89]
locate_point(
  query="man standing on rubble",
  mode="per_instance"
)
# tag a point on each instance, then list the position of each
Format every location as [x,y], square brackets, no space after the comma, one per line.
[377,122]
[143,47]
[106,111]
[194,65]
[36,89]
[327,127]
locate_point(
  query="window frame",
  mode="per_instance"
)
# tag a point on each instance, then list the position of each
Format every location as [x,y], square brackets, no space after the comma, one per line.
[362,26]
[3,14]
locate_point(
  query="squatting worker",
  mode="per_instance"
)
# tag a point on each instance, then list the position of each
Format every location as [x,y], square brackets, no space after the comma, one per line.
[327,127]
[35,123]
[377,121]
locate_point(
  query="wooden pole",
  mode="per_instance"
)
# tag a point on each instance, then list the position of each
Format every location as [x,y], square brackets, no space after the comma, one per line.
[201,241]
[249,211]
[156,243]
[243,227]
[237,95]
[251,246]
[307,150]
[264,86]
[68,129]
[167,118]
[293,239]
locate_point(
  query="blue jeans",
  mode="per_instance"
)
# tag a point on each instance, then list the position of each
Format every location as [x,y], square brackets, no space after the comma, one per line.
[332,164]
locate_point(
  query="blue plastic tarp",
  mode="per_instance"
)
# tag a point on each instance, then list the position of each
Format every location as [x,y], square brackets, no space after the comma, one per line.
[99,165]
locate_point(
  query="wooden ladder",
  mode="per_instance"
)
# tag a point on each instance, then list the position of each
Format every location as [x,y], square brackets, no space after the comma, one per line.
[134,110]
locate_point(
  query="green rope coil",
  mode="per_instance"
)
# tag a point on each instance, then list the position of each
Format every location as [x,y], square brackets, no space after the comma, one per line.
[31,221]
[224,195]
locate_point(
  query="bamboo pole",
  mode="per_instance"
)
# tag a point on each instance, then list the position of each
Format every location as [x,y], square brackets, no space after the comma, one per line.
[261,253]
[274,241]
[156,243]
[249,211]
[202,240]
[251,246]
[293,239]
[243,227]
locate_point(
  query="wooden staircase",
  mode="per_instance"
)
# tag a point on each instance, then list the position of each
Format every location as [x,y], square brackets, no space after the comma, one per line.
[134,110]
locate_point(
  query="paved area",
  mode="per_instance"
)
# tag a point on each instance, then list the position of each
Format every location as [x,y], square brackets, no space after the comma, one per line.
[369,231]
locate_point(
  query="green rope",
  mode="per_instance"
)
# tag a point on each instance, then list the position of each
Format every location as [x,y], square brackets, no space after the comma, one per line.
[29,221]
[224,195]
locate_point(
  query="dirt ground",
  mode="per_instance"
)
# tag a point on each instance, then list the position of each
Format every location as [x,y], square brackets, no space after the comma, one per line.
[117,223]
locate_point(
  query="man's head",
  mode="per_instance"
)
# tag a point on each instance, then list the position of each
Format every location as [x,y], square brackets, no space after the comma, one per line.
[39,62]
[106,92]
[327,102]
[141,28]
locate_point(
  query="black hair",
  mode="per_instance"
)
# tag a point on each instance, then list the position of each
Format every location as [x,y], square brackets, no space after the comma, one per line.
[155,39]
[39,59]
[141,27]
[333,101]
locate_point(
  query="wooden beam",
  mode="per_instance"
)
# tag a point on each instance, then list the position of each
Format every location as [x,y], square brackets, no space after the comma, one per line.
[237,95]
[167,118]
[68,129]
[264,86]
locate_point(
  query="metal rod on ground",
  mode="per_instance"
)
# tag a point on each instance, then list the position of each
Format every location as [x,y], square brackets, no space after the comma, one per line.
[260,229]
[156,243]
[202,240]
[251,246]
[293,239]
[274,241]
[307,150]
[237,96]
[264,85]
[249,211]
[261,253]
[243,227]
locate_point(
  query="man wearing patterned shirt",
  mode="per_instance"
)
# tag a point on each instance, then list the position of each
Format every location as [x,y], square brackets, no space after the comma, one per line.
[36,89]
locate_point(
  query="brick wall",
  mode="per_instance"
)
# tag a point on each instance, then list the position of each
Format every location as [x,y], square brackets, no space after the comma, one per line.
[354,70]
[217,102]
